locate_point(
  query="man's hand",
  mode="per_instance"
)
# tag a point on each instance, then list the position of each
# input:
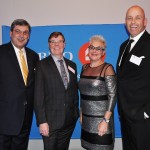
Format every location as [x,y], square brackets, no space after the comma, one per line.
[44,129]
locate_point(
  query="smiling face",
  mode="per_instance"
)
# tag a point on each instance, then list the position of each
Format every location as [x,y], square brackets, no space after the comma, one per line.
[96,53]
[19,36]
[57,45]
[135,20]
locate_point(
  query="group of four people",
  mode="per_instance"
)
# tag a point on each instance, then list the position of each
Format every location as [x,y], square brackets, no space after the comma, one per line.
[50,86]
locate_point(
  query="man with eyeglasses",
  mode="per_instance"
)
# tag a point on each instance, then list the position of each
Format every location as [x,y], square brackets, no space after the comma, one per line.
[56,96]
[17,64]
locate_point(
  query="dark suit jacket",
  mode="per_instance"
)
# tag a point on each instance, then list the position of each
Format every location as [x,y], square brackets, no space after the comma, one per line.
[13,92]
[53,103]
[134,81]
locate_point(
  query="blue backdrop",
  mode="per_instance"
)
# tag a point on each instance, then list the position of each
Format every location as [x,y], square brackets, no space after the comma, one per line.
[76,37]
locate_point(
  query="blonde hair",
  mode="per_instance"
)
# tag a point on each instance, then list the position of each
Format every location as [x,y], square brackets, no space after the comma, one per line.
[98,38]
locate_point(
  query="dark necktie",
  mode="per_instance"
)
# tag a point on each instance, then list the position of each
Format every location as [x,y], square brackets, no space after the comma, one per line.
[126,52]
[63,73]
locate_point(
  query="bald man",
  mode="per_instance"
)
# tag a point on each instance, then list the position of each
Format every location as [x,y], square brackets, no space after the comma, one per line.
[134,83]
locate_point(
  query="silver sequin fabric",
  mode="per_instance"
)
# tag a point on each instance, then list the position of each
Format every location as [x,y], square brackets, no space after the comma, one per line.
[93,110]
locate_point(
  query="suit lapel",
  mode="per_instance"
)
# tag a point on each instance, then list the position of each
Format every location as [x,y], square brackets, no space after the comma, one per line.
[29,63]
[13,57]
[121,52]
[55,69]
[56,72]
[70,73]
[139,45]
[135,51]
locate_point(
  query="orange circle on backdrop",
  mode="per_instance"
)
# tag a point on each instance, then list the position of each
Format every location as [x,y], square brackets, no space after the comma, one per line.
[83,54]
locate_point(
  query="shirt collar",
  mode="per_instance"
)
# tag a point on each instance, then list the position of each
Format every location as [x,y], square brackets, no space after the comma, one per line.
[17,49]
[137,37]
[56,59]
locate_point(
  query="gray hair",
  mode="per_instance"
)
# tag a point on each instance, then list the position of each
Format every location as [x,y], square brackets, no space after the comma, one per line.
[98,38]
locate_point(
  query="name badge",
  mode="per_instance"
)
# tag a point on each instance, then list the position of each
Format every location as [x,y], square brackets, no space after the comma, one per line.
[136,60]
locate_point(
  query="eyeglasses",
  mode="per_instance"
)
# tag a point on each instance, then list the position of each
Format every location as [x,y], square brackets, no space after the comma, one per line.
[17,31]
[91,47]
[56,42]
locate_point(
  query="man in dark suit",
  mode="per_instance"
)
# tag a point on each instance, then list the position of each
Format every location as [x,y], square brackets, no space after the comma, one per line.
[134,83]
[56,102]
[16,90]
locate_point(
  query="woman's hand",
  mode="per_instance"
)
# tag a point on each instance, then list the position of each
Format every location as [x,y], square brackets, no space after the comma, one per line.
[102,128]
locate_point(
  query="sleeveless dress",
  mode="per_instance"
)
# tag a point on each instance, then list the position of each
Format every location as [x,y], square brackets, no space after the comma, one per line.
[98,95]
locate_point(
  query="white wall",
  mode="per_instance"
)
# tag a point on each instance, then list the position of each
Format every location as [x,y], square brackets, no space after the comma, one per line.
[64,12]
[67,12]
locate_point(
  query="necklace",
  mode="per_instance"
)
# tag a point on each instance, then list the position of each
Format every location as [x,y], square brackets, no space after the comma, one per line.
[99,64]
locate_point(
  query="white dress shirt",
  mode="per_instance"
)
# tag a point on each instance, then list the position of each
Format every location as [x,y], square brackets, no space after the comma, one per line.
[58,65]
[132,44]
[17,51]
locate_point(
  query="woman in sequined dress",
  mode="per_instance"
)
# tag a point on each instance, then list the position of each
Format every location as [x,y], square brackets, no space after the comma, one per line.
[97,86]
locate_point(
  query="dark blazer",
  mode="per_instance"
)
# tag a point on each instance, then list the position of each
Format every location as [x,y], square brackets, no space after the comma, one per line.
[53,103]
[134,81]
[13,92]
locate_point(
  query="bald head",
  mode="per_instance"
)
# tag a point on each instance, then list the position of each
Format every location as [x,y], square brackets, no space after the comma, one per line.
[135,20]
[136,8]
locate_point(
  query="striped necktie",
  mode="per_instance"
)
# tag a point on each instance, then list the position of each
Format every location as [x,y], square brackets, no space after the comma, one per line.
[23,66]
[63,73]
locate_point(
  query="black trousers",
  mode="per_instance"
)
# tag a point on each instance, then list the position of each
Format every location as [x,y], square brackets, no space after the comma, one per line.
[135,134]
[16,142]
[58,139]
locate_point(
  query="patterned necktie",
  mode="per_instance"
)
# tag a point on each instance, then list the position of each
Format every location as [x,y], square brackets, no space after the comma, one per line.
[126,52]
[24,67]
[63,73]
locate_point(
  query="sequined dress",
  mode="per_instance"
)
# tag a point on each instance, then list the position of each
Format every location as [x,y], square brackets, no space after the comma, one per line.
[98,95]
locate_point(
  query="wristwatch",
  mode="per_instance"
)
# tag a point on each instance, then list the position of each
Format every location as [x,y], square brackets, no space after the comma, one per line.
[106,120]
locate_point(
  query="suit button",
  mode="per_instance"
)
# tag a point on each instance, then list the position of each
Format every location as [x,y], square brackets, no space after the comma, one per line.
[64,104]
[25,103]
